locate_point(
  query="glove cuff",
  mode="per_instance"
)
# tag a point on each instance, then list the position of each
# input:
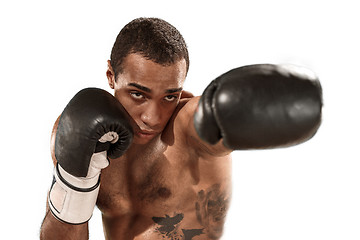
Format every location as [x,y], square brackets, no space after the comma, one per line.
[72,199]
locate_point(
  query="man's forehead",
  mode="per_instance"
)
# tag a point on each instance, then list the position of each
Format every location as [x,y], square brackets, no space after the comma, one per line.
[138,60]
[148,76]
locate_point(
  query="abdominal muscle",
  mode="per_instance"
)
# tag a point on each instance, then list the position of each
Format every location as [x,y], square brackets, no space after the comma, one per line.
[174,226]
[200,217]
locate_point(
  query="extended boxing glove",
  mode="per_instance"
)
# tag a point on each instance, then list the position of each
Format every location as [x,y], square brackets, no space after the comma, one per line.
[260,106]
[92,127]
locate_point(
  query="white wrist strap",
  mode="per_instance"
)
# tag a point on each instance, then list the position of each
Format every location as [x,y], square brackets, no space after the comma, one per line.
[72,204]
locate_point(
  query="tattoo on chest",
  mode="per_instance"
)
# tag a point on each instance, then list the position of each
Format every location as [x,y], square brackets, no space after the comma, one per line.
[211,207]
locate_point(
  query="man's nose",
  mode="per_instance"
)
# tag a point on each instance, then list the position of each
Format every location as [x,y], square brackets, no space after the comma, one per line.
[151,116]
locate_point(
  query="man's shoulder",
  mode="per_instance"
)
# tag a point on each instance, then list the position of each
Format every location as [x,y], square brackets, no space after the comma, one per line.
[184,112]
[187,106]
[184,124]
[181,120]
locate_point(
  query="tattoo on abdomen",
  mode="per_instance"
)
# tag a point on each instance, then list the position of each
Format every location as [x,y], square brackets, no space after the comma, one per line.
[211,208]
[168,228]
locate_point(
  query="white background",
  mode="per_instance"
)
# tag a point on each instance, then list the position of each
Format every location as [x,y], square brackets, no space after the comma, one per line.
[49,51]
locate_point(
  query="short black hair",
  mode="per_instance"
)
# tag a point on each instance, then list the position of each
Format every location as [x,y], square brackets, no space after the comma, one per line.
[153,38]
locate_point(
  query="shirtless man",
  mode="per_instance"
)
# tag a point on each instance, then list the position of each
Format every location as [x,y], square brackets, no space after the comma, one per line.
[164,155]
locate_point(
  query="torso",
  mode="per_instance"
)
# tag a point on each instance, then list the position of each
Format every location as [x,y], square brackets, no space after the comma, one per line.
[165,190]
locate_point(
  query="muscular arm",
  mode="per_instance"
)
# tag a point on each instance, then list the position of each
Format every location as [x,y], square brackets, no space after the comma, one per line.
[51,227]
[92,126]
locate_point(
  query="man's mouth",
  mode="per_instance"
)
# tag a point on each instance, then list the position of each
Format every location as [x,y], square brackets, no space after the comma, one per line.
[146,134]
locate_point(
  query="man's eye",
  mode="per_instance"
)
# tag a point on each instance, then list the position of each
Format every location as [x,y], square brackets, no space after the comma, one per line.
[136,95]
[171,98]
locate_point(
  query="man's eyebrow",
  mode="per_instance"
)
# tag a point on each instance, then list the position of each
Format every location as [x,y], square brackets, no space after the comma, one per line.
[173,90]
[145,89]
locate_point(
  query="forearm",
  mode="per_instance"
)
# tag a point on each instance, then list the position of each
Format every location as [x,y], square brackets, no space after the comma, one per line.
[54,229]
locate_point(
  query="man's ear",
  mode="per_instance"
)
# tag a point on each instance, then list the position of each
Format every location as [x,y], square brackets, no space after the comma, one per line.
[110,75]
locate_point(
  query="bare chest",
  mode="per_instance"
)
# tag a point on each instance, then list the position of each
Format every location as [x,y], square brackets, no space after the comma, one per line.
[167,185]
[150,180]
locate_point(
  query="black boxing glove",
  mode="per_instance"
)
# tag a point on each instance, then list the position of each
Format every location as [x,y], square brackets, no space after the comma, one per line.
[260,106]
[92,127]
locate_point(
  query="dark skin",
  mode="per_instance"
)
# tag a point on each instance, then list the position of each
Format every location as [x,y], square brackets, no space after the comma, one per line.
[169,184]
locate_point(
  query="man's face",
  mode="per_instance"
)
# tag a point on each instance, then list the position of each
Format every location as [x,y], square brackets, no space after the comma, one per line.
[149,92]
